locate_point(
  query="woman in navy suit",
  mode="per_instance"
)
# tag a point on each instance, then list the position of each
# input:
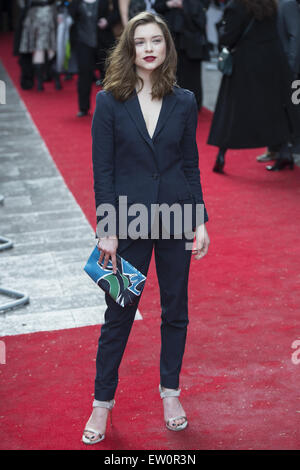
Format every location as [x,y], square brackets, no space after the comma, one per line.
[145,151]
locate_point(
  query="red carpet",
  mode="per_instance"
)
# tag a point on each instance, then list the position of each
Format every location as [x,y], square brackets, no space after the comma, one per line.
[240,386]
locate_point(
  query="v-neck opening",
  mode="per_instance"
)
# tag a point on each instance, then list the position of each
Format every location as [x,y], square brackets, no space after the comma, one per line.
[141,111]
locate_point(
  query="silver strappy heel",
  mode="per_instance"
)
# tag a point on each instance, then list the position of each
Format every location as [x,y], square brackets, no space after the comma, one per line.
[173,393]
[92,439]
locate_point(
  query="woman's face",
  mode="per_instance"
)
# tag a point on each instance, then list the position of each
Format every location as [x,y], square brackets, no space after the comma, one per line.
[150,47]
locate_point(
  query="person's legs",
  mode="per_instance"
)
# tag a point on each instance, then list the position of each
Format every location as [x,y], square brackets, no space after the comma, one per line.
[86,64]
[172,266]
[271,153]
[189,75]
[113,339]
[27,71]
[38,60]
[285,158]
[118,322]
[220,161]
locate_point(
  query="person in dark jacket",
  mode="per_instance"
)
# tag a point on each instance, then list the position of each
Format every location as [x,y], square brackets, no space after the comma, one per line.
[144,147]
[289,33]
[187,23]
[93,21]
[24,60]
[254,107]
[38,36]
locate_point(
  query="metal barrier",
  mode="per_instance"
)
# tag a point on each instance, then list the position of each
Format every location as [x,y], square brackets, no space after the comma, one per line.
[20,297]
[5,243]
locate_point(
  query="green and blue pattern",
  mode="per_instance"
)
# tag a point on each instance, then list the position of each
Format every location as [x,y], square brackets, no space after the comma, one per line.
[124,287]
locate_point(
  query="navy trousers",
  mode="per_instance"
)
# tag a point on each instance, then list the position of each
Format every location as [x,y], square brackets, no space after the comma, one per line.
[172,266]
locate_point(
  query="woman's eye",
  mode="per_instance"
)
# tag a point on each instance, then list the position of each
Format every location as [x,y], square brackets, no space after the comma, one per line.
[139,43]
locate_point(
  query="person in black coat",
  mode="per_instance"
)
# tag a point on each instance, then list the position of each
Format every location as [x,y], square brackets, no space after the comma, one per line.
[289,33]
[254,107]
[187,23]
[93,23]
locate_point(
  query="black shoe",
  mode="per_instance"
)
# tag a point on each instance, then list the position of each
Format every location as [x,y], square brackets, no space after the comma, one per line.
[82,113]
[57,81]
[220,162]
[281,163]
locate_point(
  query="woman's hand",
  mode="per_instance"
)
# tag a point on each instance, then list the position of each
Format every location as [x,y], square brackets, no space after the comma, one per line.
[108,247]
[102,23]
[174,4]
[201,243]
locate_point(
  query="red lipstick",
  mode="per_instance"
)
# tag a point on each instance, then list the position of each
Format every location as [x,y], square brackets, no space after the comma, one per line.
[149,58]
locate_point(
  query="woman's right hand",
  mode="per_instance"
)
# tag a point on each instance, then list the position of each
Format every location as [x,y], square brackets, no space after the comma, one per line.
[174,3]
[108,247]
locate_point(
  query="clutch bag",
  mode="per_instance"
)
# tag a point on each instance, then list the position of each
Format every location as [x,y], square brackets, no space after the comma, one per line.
[124,287]
[225,62]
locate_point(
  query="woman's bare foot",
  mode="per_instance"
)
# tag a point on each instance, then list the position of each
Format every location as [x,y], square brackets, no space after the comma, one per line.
[172,408]
[97,421]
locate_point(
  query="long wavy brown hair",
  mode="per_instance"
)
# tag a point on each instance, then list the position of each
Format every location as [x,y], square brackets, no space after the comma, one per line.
[121,77]
[261,9]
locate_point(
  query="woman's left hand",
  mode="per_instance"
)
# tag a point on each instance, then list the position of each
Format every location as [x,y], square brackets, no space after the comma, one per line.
[102,23]
[201,243]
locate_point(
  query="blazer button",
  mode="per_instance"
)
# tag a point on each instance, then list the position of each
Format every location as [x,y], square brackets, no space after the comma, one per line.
[155,176]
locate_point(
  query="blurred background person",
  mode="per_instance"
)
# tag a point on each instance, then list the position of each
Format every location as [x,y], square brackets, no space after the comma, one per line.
[129,8]
[25,59]
[254,106]
[38,36]
[289,33]
[64,57]
[109,30]
[214,15]
[187,22]
[6,12]
[93,23]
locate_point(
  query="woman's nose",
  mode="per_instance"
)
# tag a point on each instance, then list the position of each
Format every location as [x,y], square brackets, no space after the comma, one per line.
[148,46]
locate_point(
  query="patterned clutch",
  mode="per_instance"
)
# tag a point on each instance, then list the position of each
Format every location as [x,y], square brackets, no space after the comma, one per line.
[124,287]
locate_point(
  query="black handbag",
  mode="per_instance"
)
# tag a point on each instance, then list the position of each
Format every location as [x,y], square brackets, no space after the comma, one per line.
[225,62]
[225,59]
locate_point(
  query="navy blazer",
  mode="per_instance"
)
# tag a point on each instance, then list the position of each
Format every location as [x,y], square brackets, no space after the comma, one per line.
[127,161]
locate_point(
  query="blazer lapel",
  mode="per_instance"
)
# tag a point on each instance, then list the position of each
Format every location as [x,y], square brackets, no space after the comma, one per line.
[168,105]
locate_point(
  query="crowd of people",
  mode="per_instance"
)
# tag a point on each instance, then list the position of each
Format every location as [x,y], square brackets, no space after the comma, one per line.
[254,109]
[90,29]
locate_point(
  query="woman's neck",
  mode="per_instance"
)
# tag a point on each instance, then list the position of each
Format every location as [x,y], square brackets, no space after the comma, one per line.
[147,81]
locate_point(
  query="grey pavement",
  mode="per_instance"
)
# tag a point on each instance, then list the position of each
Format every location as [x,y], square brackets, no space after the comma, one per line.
[51,237]
[211,79]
